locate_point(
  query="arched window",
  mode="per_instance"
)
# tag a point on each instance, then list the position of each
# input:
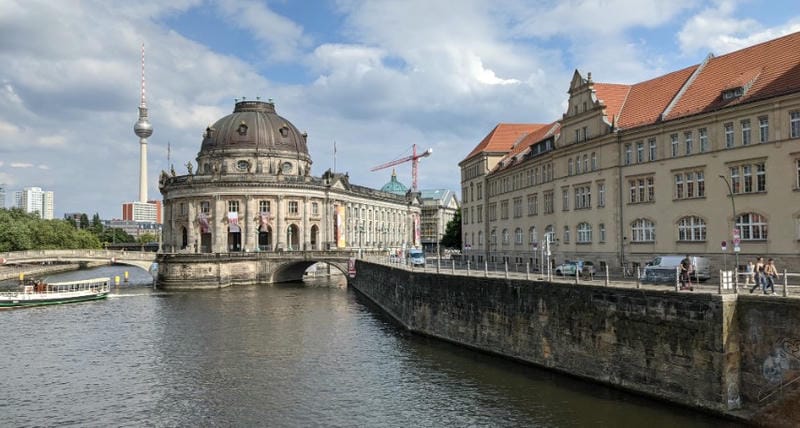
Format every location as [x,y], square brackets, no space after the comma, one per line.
[584,233]
[518,236]
[566,234]
[505,237]
[549,233]
[643,230]
[532,237]
[493,237]
[480,238]
[752,227]
[691,228]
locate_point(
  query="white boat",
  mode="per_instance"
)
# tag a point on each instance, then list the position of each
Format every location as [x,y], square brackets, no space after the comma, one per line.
[40,293]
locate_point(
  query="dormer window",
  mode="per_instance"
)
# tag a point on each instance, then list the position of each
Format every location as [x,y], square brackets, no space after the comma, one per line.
[284,131]
[242,130]
[732,93]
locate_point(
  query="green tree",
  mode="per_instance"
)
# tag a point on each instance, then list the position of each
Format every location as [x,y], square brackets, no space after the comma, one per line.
[452,232]
[97,225]
[84,221]
[115,235]
[20,231]
[147,237]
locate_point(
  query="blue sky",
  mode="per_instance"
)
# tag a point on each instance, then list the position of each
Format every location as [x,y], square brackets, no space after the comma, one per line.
[374,76]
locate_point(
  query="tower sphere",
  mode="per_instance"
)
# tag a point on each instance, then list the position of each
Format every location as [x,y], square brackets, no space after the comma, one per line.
[143,128]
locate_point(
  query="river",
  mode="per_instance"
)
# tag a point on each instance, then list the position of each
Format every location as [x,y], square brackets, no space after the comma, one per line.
[293,355]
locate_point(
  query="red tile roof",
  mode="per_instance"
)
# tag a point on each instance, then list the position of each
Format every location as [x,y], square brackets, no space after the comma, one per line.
[523,145]
[772,66]
[503,137]
[613,96]
[647,100]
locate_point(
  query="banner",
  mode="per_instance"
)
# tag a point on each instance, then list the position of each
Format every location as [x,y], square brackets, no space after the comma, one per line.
[417,231]
[233,221]
[264,221]
[203,220]
[341,241]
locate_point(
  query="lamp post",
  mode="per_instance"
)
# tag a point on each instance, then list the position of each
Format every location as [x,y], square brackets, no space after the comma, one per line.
[360,238]
[733,219]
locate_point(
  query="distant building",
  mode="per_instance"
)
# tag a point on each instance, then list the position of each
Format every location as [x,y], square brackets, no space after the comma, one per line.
[2,195]
[134,228]
[149,211]
[76,217]
[35,200]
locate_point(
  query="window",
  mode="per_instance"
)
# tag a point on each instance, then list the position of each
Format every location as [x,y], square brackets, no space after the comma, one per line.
[517,207]
[492,211]
[263,206]
[763,129]
[752,227]
[569,166]
[583,197]
[518,236]
[691,229]
[627,154]
[578,164]
[641,190]
[480,214]
[565,199]
[183,209]
[643,230]
[532,205]
[797,174]
[205,207]
[315,208]
[602,228]
[745,132]
[749,178]
[728,135]
[585,133]
[548,203]
[601,194]
[674,144]
[505,237]
[703,133]
[532,237]
[652,154]
[584,233]
[687,138]
[577,132]
[690,184]
[594,161]
[294,207]
[639,152]
[233,206]
[566,234]
[794,124]
[504,209]
[586,163]
[287,167]
[493,237]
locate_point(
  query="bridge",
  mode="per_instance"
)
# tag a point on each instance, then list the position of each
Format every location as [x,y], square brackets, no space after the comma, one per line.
[143,260]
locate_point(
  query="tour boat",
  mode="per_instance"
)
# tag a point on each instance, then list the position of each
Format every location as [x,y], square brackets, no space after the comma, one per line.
[39,293]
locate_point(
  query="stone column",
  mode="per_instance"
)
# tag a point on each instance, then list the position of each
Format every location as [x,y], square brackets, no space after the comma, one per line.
[192,237]
[219,227]
[280,238]
[305,235]
[249,226]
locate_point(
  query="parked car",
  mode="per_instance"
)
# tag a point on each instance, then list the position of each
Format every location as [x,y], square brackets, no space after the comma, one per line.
[663,268]
[569,267]
[416,257]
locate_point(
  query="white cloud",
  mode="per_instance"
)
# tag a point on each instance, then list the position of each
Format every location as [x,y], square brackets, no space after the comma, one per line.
[21,165]
[52,141]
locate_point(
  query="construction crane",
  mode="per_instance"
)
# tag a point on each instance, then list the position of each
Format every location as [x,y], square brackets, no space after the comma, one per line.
[414,158]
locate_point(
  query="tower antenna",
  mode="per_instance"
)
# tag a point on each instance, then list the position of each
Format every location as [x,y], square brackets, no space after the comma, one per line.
[143,129]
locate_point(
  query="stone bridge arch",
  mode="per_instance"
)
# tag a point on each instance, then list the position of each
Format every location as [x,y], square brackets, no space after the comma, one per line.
[294,270]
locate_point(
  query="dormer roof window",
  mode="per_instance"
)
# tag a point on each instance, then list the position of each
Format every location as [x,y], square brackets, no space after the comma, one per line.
[731,93]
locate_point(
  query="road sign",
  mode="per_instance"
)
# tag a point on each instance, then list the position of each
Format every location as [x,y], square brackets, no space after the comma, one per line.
[736,248]
[351,267]
[724,246]
[535,245]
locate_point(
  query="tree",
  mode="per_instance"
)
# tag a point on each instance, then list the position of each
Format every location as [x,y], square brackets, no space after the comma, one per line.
[20,231]
[97,225]
[84,221]
[147,237]
[452,233]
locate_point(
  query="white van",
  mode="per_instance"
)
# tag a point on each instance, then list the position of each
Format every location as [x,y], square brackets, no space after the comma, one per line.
[416,257]
[663,268]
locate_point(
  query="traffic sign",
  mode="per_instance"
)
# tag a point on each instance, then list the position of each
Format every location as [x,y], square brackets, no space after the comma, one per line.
[724,246]
[535,245]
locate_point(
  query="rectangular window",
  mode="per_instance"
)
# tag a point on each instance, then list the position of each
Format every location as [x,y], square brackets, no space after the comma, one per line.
[480,213]
[602,228]
[548,203]
[205,207]
[749,178]
[679,186]
[628,154]
[601,192]
[315,208]
[583,197]
[263,206]
[674,144]
[745,132]
[569,166]
[689,184]
[797,171]
[233,206]
[687,138]
[479,189]
[703,139]
[577,135]
[652,143]
[594,161]
[639,152]
[794,124]
[504,210]
[294,207]
[642,190]
[182,208]
[585,133]
[585,163]
[565,199]
[701,184]
[728,135]
[517,207]
[651,189]
[763,129]
[492,208]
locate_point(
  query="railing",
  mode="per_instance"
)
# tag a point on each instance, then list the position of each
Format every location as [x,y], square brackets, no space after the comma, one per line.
[629,277]
[87,286]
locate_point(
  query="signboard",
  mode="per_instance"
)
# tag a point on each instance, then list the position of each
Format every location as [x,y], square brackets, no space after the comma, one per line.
[417,231]
[341,242]
[736,240]
[351,267]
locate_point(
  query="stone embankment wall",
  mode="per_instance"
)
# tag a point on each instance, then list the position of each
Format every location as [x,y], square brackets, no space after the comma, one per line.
[688,348]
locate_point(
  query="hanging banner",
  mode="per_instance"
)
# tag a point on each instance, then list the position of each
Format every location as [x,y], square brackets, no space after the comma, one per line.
[233,221]
[203,220]
[351,267]
[417,231]
[264,221]
[341,242]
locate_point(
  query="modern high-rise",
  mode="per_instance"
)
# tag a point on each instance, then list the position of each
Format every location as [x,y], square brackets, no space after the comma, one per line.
[149,211]
[35,200]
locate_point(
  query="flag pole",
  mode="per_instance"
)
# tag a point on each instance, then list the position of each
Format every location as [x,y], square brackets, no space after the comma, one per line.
[334,156]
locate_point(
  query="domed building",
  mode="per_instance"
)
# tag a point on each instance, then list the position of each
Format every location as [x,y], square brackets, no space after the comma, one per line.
[394,186]
[253,191]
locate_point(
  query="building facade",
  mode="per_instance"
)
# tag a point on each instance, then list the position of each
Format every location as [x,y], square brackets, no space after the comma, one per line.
[673,165]
[35,200]
[149,211]
[439,206]
[253,191]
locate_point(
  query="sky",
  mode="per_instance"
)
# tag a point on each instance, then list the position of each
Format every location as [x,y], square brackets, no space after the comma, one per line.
[373,76]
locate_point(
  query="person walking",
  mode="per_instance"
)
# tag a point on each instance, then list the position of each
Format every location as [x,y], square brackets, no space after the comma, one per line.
[749,271]
[758,275]
[770,275]
[685,271]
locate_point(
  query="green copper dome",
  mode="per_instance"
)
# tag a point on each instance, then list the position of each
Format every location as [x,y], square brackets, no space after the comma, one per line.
[394,186]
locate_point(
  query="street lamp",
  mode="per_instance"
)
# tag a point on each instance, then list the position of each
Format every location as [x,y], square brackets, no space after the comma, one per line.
[360,238]
[735,230]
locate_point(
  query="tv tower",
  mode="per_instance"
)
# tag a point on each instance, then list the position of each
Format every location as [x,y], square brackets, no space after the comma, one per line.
[143,129]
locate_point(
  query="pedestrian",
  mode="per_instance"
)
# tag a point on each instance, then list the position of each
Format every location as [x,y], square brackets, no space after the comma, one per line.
[685,271]
[758,275]
[749,271]
[770,275]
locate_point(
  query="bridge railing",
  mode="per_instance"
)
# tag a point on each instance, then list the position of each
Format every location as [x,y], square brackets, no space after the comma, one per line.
[84,253]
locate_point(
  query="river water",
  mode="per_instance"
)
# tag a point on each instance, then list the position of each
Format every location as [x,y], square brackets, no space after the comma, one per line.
[294,355]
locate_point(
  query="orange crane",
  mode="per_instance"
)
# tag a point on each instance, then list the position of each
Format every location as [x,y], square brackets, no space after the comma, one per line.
[414,158]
